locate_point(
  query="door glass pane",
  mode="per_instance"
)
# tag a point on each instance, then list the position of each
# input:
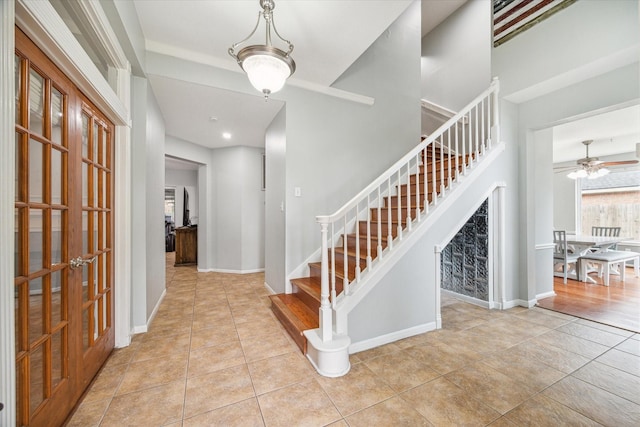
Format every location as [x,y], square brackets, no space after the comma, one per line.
[56,236]
[56,116]
[18,156]
[17,311]
[85,136]
[105,152]
[104,230]
[95,187]
[35,240]
[35,310]
[85,184]
[36,102]
[94,150]
[94,247]
[86,282]
[17,243]
[17,87]
[56,176]
[35,171]
[85,328]
[57,358]
[56,299]
[97,315]
[85,228]
[36,386]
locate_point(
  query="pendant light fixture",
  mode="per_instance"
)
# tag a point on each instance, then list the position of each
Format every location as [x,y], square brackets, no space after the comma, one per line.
[267,67]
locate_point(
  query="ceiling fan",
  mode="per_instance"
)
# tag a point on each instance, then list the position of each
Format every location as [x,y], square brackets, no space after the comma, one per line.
[591,167]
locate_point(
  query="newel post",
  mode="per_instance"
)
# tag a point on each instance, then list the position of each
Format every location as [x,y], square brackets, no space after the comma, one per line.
[326,323]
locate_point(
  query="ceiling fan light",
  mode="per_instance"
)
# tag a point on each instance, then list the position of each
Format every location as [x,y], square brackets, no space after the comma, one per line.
[580,173]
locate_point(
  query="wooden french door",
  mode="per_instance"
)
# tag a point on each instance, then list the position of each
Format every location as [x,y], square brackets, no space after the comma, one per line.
[63,239]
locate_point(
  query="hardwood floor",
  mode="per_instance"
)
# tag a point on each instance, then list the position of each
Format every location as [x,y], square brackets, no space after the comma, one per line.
[617,305]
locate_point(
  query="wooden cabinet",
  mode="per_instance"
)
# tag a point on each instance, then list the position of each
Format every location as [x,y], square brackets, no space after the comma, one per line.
[186,245]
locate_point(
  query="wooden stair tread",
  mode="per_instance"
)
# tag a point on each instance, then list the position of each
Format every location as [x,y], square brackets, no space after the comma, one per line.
[303,316]
[295,316]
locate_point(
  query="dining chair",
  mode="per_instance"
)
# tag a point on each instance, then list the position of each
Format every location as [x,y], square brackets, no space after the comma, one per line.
[607,232]
[561,255]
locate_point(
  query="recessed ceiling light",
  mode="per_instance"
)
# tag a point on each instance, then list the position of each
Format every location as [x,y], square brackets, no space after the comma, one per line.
[226,135]
[213,119]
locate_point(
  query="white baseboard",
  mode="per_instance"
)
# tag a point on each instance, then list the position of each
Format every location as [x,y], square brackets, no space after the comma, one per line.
[139,330]
[222,270]
[466,298]
[269,288]
[519,303]
[393,336]
[545,295]
[144,328]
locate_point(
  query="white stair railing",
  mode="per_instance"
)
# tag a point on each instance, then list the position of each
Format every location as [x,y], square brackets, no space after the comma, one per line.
[399,199]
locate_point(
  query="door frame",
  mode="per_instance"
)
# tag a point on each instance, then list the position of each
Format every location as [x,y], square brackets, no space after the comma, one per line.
[42,24]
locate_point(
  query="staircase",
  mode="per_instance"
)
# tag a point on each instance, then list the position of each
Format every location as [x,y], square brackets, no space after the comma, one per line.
[299,310]
[362,238]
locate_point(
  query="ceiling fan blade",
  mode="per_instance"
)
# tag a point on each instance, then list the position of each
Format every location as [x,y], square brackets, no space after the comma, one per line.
[619,163]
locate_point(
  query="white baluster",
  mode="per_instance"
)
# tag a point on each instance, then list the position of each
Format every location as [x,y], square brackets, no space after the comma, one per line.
[434,183]
[442,165]
[408,197]
[399,205]
[425,183]
[484,124]
[379,250]
[457,153]
[418,209]
[449,176]
[477,136]
[333,266]
[326,320]
[345,260]
[389,225]
[368,234]
[357,271]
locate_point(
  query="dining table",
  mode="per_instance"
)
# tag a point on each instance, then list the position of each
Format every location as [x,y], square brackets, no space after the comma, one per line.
[584,243]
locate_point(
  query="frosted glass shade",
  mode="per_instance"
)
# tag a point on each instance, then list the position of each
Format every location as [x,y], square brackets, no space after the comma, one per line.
[267,67]
[266,73]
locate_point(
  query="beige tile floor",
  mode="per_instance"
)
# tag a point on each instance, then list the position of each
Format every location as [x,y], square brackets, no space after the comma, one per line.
[215,355]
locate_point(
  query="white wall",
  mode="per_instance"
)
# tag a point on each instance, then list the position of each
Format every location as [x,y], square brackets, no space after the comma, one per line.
[456,57]
[239,207]
[138,203]
[336,148]
[582,41]
[596,69]
[564,202]
[543,142]
[156,280]
[275,232]
[230,205]
[148,279]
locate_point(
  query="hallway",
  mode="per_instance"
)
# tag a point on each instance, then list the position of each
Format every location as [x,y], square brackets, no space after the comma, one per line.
[215,355]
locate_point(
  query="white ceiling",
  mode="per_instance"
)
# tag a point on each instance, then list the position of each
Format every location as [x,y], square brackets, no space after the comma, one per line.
[328,36]
[613,132]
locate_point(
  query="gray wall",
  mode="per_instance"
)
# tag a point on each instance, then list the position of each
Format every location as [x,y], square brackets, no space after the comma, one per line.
[230,205]
[239,207]
[456,57]
[336,148]
[275,233]
[148,281]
